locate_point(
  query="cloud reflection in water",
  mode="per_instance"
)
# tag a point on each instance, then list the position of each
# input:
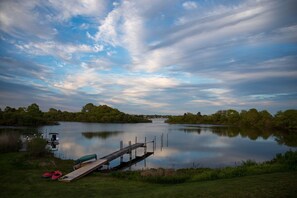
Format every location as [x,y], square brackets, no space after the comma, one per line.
[188,145]
[101,134]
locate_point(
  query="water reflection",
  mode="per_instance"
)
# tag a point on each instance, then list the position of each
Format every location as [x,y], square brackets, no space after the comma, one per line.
[130,163]
[289,139]
[15,138]
[180,146]
[286,138]
[101,134]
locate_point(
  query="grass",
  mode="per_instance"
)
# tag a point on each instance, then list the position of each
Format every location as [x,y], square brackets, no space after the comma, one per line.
[21,177]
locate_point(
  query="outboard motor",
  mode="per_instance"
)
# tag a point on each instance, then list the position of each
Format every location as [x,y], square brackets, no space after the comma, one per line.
[54,137]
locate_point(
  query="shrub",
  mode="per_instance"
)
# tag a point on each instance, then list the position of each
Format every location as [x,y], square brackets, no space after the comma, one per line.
[37,147]
[248,163]
[289,159]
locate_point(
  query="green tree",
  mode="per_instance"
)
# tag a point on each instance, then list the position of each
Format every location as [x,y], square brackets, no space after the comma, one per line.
[286,119]
[53,110]
[250,118]
[34,111]
[9,109]
[88,108]
[266,119]
[232,116]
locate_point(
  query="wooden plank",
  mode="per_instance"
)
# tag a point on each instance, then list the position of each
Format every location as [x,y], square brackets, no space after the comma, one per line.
[83,170]
[123,151]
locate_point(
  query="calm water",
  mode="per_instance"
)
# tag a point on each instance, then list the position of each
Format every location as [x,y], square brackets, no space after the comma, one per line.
[183,146]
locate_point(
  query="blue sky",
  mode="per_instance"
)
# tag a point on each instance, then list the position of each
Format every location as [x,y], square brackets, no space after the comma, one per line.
[149,56]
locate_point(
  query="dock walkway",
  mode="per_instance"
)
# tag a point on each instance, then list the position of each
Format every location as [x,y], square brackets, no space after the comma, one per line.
[99,163]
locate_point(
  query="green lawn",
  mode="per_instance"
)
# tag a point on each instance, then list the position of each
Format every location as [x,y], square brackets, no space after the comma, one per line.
[22,178]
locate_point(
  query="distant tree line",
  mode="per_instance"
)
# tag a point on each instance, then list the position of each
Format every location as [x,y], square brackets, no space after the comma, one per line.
[92,113]
[251,118]
[30,116]
[33,116]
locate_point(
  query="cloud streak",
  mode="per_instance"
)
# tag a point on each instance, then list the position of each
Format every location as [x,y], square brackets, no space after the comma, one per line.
[150,56]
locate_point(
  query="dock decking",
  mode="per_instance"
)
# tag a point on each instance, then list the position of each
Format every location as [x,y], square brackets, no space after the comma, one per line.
[83,170]
[123,151]
[99,163]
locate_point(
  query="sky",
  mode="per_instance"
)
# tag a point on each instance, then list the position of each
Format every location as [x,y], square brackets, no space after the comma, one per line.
[149,56]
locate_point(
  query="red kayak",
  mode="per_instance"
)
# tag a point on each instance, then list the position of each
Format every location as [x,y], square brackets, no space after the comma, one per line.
[57,174]
[48,174]
[54,175]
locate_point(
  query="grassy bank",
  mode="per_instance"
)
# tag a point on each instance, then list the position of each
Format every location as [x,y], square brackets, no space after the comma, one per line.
[21,177]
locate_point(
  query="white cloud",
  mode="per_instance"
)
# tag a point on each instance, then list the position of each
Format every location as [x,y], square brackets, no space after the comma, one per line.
[190,5]
[75,81]
[115,4]
[97,63]
[124,27]
[253,75]
[62,50]
[20,18]
[37,17]
[117,88]
[108,30]
[216,97]
[98,48]
[70,8]
[200,42]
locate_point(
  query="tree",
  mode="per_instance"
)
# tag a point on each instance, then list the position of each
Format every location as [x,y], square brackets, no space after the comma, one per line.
[53,110]
[21,110]
[9,109]
[232,116]
[34,111]
[250,118]
[286,119]
[88,108]
[266,119]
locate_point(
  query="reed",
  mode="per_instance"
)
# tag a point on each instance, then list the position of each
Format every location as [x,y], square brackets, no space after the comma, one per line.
[9,142]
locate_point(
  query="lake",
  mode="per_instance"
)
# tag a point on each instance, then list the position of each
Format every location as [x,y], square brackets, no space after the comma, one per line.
[177,146]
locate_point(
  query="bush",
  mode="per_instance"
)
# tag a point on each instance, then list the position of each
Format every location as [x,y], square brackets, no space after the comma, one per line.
[37,147]
[289,159]
[163,176]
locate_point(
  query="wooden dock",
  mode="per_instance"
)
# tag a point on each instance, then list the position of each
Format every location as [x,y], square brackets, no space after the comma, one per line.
[123,151]
[99,163]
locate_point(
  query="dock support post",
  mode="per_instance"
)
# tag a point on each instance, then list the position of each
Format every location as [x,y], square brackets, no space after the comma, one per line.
[130,151]
[167,140]
[121,147]
[155,144]
[162,141]
[144,145]
[135,149]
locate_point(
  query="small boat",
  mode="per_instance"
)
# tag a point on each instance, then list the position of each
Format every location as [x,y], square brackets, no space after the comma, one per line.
[48,174]
[86,158]
[57,174]
[54,175]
